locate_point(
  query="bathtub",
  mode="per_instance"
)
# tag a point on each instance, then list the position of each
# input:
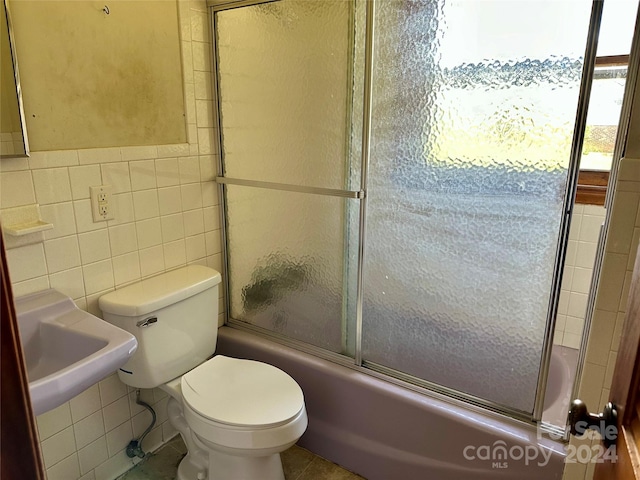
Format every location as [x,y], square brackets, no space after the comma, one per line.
[383,431]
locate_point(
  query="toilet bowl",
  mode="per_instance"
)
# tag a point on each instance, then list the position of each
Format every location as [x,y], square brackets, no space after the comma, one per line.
[235,415]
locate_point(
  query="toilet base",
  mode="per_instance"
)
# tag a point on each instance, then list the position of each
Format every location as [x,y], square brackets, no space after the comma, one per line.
[188,470]
[231,467]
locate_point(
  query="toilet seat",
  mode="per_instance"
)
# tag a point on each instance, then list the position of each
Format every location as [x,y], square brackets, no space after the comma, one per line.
[242,393]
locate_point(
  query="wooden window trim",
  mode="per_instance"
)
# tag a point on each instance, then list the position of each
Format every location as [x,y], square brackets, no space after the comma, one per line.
[592,187]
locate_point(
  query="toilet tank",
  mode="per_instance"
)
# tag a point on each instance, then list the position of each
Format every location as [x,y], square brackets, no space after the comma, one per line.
[174,317]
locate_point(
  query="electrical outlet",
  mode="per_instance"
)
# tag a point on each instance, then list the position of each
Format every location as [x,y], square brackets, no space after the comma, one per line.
[101,203]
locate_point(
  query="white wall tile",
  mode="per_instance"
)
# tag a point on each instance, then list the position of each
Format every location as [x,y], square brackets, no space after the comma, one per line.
[84,217]
[586,254]
[215,262]
[69,282]
[122,204]
[114,467]
[170,200]
[204,113]
[123,239]
[92,302]
[85,403]
[98,276]
[94,246]
[66,469]
[126,268]
[211,218]
[139,153]
[611,282]
[58,447]
[175,254]
[99,155]
[119,438]
[149,233]
[143,175]
[168,432]
[145,204]
[116,175]
[167,172]
[200,27]
[63,218]
[16,188]
[202,83]
[116,413]
[82,178]
[209,194]
[88,429]
[151,260]
[190,101]
[141,422]
[111,389]
[206,141]
[93,455]
[213,242]
[622,222]
[52,159]
[175,150]
[191,196]
[172,227]
[581,281]
[592,383]
[201,53]
[89,475]
[189,168]
[52,185]
[193,222]
[577,304]
[14,164]
[195,247]
[62,253]
[54,421]
[208,167]
[590,227]
[30,286]
[26,262]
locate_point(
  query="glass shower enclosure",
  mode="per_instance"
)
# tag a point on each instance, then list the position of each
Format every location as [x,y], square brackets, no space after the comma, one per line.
[398,181]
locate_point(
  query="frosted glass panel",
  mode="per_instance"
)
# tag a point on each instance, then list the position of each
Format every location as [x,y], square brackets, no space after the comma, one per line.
[474,104]
[285,90]
[287,269]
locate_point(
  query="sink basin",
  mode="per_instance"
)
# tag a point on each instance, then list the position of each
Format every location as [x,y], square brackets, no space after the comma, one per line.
[66,349]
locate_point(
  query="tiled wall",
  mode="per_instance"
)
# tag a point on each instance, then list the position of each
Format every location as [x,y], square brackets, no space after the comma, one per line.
[578,269]
[166,215]
[611,301]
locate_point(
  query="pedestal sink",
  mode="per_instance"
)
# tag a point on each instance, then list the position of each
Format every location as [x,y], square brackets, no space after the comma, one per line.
[66,349]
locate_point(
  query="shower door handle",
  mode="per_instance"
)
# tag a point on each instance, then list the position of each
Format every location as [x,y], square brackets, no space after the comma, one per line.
[606,423]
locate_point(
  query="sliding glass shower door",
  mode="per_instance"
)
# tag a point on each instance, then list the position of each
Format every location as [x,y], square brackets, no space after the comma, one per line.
[474,105]
[397,177]
[285,85]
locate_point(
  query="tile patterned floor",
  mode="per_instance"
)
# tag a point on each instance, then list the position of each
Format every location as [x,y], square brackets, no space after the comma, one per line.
[298,464]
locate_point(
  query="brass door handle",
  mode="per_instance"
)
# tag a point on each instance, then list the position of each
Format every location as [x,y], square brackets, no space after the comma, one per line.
[606,423]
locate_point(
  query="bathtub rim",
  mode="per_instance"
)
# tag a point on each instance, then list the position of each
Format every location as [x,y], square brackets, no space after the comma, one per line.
[493,410]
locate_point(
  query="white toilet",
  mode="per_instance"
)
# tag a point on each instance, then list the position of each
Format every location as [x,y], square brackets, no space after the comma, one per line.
[235,416]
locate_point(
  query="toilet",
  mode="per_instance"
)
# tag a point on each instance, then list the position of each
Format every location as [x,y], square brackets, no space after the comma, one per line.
[235,416]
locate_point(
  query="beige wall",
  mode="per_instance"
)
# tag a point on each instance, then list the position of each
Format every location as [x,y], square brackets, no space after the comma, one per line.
[166,215]
[91,79]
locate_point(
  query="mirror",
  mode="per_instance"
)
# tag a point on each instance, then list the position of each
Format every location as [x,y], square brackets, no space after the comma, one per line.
[13,133]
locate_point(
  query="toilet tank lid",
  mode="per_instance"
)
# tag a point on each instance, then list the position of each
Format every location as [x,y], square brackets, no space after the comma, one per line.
[160,291]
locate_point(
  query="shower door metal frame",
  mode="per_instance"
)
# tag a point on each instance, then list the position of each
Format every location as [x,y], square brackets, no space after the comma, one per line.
[422,386]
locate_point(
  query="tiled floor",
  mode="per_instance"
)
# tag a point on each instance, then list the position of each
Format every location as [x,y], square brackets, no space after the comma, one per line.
[298,464]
